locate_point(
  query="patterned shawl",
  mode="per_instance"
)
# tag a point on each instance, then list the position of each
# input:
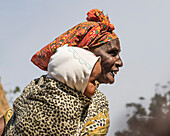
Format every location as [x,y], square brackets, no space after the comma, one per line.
[48,107]
[95,32]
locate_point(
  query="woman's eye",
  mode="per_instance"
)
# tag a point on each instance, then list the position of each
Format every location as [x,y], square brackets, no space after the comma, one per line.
[113,52]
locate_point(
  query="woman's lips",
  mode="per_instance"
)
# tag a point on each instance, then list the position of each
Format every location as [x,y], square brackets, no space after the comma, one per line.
[114,73]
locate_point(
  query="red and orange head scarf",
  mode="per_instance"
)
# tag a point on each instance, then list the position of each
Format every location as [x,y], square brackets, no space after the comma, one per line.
[96,31]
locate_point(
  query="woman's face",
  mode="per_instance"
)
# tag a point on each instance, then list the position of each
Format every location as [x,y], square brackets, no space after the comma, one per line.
[91,85]
[110,60]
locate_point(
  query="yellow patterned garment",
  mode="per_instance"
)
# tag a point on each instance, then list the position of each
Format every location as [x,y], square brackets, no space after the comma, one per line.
[8,114]
[98,125]
[48,107]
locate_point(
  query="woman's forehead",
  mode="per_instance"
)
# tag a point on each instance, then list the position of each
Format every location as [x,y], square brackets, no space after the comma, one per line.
[111,45]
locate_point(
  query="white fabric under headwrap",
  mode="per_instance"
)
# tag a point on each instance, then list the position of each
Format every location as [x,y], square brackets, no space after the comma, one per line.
[72,66]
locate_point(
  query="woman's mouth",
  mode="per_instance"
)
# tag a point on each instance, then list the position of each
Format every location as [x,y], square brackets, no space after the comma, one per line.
[113,74]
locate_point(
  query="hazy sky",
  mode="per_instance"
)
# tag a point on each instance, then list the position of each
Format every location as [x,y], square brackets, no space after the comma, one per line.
[141,25]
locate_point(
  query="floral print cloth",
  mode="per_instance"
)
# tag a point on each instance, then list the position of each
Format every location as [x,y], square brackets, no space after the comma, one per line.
[95,32]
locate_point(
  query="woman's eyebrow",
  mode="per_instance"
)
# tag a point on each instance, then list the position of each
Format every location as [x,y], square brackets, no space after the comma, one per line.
[113,49]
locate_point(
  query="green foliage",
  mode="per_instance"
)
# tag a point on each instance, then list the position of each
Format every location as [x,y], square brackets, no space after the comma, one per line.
[156,122]
[11,94]
[16,90]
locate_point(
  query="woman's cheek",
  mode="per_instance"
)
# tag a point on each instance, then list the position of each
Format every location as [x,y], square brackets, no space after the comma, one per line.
[91,89]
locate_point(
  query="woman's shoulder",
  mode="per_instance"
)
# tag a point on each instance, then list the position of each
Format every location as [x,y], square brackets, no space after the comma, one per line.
[97,120]
[100,99]
[99,104]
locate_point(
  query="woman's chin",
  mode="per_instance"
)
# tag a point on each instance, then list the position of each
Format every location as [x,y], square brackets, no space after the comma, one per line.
[110,78]
[111,81]
[106,80]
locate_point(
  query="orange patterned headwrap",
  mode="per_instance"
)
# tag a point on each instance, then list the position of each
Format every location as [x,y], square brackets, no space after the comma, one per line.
[96,31]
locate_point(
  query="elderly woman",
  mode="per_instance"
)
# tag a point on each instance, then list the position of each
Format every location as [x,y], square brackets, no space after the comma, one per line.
[97,36]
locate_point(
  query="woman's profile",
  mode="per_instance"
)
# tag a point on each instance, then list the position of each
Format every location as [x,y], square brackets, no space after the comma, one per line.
[97,36]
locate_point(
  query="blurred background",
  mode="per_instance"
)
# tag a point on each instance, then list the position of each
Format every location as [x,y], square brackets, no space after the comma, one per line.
[142,27]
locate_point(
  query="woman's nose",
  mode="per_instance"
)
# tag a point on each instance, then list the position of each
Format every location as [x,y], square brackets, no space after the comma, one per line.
[119,62]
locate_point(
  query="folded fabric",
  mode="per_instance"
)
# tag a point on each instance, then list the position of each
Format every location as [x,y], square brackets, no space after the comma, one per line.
[72,66]
[95,32]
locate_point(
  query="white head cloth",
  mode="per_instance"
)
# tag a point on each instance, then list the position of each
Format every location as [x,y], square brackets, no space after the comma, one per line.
[72,66]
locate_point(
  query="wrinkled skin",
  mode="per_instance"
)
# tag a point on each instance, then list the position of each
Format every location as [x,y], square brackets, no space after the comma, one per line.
[110,60]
